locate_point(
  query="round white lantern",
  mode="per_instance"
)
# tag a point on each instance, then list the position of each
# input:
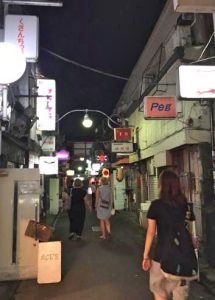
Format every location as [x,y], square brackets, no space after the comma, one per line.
[12,63]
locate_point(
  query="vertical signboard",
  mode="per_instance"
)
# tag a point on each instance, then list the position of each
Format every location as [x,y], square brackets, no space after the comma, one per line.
[46,104]
[23,31]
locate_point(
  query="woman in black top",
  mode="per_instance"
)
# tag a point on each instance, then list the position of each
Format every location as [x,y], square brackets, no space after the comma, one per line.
[79,202]
[172,203]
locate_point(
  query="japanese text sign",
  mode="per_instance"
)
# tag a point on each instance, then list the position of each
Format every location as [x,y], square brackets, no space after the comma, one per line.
[23,31]
[122,147]
[122,134]
[46,104]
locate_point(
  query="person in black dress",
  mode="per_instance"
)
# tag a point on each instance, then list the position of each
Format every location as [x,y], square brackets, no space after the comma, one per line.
[79,202]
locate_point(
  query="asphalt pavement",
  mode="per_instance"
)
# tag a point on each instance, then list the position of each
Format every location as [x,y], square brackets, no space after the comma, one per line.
[93,269]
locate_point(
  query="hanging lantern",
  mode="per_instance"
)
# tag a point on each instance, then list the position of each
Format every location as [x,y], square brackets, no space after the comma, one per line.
[120,174]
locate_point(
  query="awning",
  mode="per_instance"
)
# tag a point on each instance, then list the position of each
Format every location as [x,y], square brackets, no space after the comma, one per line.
[121,162]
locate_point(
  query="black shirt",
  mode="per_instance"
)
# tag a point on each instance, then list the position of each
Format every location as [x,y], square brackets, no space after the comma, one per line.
[162,212]
[77,198]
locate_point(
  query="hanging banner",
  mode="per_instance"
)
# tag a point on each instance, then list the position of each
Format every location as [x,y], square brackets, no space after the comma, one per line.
[120,174]
[23,31]
[46,104]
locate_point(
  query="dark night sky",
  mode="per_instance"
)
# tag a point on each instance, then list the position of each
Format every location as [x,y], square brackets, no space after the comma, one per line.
[108,35]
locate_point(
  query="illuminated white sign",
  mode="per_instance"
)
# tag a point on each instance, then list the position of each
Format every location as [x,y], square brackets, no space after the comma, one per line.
[96,167]
[48,165]
[23,31]
[70,172]
[122,147]
[197,81]
[46,104]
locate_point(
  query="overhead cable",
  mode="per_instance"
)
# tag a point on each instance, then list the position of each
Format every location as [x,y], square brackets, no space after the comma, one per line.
[84,66]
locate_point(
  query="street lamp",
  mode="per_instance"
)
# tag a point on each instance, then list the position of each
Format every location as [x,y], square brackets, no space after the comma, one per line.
[12,67]
[12,63]
[87,122]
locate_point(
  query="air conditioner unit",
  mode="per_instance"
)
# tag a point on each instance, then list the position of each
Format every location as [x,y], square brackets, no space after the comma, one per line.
[194,6]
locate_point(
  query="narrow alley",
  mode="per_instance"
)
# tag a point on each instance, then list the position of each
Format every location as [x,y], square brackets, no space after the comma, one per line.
[93,269]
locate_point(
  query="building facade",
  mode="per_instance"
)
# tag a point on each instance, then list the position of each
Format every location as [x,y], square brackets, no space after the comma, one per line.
[185,142]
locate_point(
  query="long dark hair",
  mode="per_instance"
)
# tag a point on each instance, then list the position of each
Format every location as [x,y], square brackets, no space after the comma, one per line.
[170,188]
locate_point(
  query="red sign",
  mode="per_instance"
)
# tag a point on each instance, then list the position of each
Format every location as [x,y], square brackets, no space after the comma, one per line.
[159,107]
[102,157]
[122,134]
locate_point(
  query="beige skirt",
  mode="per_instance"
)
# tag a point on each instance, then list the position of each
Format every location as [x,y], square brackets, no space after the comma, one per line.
[166,287]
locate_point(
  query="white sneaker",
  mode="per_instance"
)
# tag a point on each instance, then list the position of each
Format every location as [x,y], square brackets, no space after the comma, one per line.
[71,235]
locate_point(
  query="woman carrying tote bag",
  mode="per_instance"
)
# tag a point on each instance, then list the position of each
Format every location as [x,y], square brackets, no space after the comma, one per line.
[104,205]
[174,262]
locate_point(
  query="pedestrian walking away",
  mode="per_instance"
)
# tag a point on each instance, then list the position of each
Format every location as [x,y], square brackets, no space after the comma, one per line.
[104,203]
[77,211]
[165,214]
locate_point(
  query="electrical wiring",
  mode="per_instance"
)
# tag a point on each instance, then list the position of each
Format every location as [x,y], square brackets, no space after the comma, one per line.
[205,48]
[84,66]
[204,59]
[203,51]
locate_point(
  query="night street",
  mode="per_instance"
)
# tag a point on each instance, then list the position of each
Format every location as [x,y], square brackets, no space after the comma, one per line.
[94,269]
